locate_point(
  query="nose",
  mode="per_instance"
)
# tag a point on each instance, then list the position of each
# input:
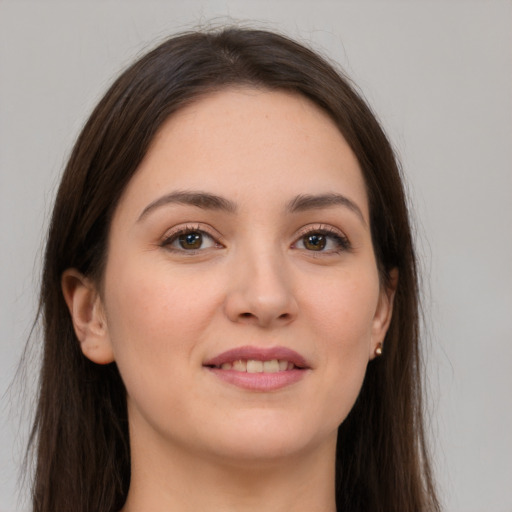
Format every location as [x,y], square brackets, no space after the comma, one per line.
[261,292]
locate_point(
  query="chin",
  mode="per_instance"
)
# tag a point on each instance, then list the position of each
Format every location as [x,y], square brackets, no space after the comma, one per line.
[268,438]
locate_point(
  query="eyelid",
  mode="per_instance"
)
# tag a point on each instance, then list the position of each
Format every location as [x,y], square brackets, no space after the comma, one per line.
[325,229]
[171,235]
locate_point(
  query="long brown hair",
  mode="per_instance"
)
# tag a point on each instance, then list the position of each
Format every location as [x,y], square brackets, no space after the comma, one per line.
[80,431]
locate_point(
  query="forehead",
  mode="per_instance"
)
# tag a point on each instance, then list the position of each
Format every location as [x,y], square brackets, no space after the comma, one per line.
[253,145]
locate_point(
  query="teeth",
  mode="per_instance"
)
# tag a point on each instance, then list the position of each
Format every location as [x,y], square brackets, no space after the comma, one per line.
[271,366]
[240,366]
[254,366]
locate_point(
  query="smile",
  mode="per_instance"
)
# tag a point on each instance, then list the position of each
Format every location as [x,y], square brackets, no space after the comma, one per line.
[259,369]
[255,366]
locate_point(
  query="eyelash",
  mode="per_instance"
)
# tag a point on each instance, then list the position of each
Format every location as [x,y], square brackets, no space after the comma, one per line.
[341,242]
[188,230]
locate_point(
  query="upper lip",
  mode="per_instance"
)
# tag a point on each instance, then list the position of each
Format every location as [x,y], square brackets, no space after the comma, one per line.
[258,354]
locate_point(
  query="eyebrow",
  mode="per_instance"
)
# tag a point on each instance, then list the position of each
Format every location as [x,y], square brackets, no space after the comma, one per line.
[306,202]
[202,200]
[207,201]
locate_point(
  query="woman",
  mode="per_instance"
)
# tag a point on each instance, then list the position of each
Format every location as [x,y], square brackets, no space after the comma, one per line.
[230,296]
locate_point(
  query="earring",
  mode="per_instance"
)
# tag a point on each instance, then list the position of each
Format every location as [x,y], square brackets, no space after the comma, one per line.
[378,349]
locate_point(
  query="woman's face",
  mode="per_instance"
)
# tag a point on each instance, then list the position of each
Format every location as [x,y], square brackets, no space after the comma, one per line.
[241,295]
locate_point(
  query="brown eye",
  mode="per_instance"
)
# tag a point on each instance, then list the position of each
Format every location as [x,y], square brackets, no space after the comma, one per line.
[325,241]
[191,241]
[314,242]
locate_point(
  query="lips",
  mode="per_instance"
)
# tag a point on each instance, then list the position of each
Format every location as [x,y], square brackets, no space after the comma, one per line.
[256,366]
[265,355]
[259,369]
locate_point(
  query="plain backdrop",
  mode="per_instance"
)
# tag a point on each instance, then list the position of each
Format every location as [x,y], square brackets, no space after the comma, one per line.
[439,75]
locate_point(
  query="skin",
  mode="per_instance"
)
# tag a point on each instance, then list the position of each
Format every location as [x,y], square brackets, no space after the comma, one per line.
[164,310]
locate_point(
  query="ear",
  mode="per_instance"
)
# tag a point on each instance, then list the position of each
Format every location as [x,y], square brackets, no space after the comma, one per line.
[384,311]
[87,314]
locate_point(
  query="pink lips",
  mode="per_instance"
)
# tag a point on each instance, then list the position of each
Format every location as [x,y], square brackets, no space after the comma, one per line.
[259,381]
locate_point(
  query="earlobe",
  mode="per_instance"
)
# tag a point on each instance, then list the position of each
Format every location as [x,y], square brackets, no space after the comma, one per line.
[88,317]
[383,314]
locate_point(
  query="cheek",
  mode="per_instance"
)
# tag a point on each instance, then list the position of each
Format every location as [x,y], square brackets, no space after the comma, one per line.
[149,304]
[156,321]
[344,314]
[345,308]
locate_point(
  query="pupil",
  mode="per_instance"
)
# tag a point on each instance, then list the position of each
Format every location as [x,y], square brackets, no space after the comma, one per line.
[315,242]
[190,241]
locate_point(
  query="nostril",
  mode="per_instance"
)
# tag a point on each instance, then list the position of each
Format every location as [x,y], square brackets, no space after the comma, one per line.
[246,315]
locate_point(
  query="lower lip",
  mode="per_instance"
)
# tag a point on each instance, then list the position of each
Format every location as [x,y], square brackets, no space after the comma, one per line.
[259,381]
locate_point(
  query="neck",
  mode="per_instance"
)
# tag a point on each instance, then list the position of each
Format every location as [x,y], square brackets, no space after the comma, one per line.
[169,478]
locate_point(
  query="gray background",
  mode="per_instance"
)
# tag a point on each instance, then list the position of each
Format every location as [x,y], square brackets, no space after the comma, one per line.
[439,74]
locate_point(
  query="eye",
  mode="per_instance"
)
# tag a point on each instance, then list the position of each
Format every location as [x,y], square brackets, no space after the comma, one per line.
[322,240]
[190,240]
